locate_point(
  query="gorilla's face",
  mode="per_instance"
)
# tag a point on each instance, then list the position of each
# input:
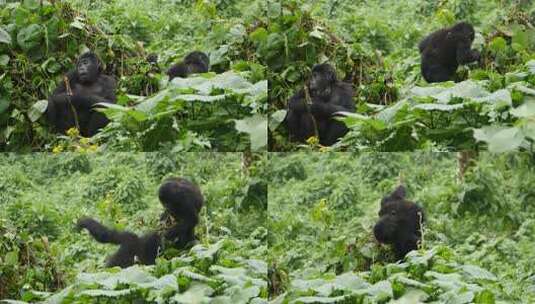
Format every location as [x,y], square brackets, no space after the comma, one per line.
[87,70]
[323,77]
[399,219]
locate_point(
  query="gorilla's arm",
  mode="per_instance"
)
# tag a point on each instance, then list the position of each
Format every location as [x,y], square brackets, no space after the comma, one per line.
[424,43]
[103,234]
[56,101]
[87,100]
[59,95]
[198,68]
[341,101]
[464,53]
[297,102]
[180,69]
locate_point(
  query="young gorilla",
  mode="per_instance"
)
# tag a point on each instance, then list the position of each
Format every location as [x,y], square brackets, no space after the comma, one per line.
[444,50]
[88,87]
[328,95]
[144,248]
[399,223]
[182,201]
[194,62]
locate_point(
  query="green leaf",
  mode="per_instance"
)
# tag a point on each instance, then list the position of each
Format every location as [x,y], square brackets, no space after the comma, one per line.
[478,273]
[4,60]
[37,109]
[12,258]
[259,35]
[526,109]
[4,104]
[498,45]
[319,299]
[30,37]
[500,139]
[256,127]
[4,36]
[276,119]
[78,23]
[196,293]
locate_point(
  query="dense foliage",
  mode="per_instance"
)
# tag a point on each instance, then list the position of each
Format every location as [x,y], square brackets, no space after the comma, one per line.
[43,257]
[477,245]
[40,40]
[373,45]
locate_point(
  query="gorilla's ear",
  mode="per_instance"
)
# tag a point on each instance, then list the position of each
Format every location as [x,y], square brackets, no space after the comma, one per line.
[396,195]
[399,193]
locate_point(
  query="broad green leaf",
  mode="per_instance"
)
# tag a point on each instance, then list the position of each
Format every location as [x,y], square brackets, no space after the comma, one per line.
[478,273]
[318,299]
[276,119]
[498,45]
[4,60]
[256,127]
[258,35]
[381,290]
[77,23]
[4,104]
[207,253]
[11,258]
[526,109]
[411,297]
[37,109]
[531,66]
[106,293]
[197,293]
[30,37]
[500,139]
[439,107]
[4,36]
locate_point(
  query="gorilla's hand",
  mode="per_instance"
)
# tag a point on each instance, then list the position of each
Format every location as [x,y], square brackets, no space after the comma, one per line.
[297,104]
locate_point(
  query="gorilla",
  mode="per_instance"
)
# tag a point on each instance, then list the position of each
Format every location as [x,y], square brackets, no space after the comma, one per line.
[131,247]
[399,223]
[73,102]
[328,95]
[444,50]
[182,201]
[194,62]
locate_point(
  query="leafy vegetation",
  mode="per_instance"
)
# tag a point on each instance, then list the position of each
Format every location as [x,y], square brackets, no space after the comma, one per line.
[42,257]
[373,45]
[477,244]
[222,110]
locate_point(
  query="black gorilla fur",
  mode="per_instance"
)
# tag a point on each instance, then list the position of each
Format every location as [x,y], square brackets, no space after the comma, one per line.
[182,200]
[88,87]
[399,223]
[194,62]
[444,50]
[144,248]
[328,95]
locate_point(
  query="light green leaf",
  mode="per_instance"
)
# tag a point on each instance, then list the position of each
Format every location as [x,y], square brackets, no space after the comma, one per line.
[30,36]
[526,109]
[256,127]
[478,273]
[500,139]
[4,36]
[37,109]
[276,119]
